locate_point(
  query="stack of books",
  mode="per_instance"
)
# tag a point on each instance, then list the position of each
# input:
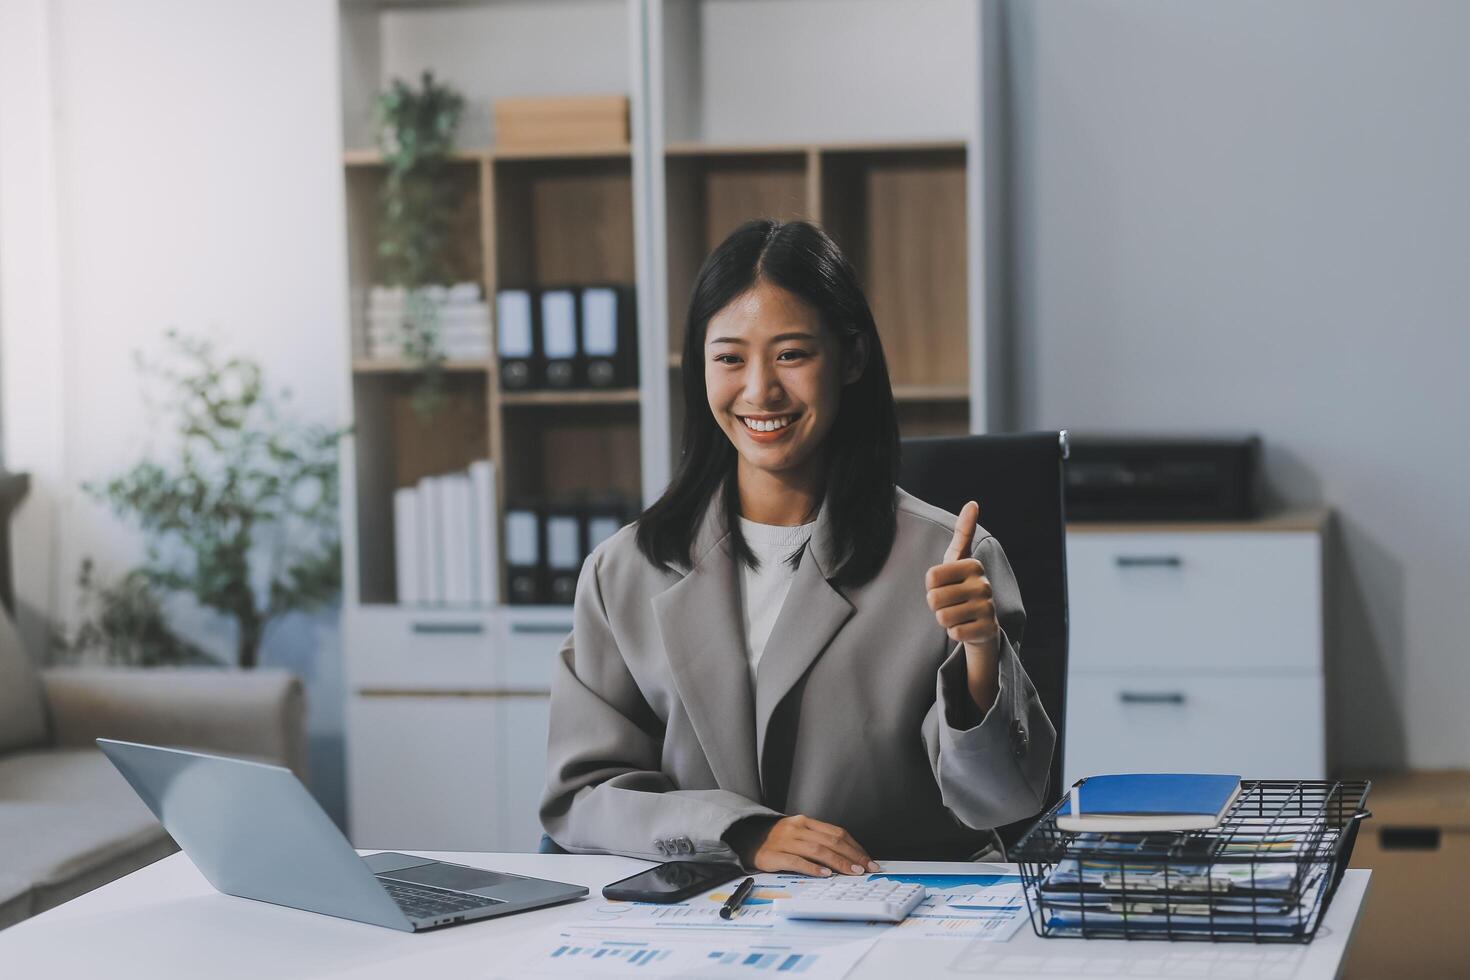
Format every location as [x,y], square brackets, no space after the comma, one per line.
[454,319]
[445,540]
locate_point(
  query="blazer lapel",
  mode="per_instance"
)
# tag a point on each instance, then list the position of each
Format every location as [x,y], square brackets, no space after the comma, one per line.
[704,638]
[810,617]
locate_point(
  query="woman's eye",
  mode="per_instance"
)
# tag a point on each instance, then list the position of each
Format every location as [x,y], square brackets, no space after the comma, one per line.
[796,355]
[727,359]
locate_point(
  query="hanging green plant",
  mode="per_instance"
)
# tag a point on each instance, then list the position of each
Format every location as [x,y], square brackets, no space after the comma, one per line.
[416,130]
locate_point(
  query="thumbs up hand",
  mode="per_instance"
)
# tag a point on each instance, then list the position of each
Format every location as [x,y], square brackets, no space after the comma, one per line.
[959,593]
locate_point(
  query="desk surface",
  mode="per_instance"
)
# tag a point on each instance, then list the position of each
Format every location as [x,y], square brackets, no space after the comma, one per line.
[166,921]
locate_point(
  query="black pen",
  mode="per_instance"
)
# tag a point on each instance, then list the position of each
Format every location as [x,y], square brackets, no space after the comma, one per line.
[733,902]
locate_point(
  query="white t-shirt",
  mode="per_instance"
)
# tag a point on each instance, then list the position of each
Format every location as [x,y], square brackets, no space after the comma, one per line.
[763,591]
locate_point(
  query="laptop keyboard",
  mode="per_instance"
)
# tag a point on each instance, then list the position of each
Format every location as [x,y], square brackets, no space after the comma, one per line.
[419,902]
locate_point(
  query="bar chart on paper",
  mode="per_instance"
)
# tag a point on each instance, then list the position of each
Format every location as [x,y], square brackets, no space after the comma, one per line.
[631,954]
[585,953]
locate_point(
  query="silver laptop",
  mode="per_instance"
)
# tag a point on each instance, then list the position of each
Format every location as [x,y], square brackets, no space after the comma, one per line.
[254,831]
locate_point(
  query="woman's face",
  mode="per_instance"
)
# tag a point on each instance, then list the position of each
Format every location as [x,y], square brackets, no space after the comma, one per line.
[774,376]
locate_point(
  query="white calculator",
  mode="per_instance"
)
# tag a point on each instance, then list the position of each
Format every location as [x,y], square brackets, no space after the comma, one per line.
[863,899]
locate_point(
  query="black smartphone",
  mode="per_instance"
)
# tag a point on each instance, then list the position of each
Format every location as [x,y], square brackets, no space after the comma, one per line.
[672,882]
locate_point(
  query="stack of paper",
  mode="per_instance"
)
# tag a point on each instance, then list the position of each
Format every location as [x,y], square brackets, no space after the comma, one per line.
[1265,897]
[444,536]
[455,319]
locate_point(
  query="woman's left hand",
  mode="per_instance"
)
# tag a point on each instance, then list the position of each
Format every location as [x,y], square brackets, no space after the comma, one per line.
[959,594]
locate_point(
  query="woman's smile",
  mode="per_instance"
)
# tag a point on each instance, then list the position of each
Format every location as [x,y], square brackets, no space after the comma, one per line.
[768,428]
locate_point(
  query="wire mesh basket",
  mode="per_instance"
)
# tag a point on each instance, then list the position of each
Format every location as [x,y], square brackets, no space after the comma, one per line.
[1265,874]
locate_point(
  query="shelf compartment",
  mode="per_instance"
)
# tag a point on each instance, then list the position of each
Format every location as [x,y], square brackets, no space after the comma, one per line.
[396,448]
[464,252]
[571,452]
[563,222]
[899,215]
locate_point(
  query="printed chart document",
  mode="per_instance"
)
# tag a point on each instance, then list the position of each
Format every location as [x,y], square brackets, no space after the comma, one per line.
[984,907]
[575,952]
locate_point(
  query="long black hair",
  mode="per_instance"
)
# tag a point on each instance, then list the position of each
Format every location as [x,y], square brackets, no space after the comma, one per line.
[862,445]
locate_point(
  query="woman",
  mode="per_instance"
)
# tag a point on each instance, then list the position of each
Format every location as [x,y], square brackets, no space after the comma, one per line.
[788,661]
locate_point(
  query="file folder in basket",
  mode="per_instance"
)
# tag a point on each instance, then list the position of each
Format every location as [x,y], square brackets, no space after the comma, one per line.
[1265,874]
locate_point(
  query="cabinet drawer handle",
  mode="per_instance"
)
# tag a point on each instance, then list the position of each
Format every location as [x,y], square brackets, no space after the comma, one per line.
[559,629]
[449,629]
[1149,561]
[1151,697]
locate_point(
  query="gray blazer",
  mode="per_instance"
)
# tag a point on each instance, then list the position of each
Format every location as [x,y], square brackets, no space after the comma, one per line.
[658,744]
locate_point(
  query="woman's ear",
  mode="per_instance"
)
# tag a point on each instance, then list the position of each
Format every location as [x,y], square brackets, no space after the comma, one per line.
[856,361]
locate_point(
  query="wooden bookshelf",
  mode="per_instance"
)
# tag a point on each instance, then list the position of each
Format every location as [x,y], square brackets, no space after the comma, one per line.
[523,219]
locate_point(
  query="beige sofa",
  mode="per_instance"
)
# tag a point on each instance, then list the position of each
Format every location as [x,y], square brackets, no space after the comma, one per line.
[68,820]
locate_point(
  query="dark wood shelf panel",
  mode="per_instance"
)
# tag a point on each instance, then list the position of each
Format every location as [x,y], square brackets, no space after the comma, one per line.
[695,148]
[398,365]
[899,214]
[931,393]
[590,151]
[374,158]
[610,396]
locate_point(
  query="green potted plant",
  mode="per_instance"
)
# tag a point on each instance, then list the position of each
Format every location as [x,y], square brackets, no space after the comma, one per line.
[416,129]
[241,516]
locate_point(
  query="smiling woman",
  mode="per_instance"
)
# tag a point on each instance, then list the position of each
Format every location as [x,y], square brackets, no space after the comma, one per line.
[788,661]
[787,342]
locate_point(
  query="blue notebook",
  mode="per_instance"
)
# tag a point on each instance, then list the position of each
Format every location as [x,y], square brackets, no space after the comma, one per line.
[1142,802]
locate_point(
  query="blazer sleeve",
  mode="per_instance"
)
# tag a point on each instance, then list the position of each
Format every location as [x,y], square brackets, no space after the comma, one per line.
[606,792]
[991,771]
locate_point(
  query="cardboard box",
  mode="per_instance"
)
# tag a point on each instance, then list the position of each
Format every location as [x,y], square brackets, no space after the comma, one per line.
[561,122]
[1418,845]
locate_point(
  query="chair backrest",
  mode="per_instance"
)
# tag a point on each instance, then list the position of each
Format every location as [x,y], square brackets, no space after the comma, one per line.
[1018,482]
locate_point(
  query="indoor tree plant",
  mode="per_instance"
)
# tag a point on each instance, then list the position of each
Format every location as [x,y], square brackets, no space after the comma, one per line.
[241,516]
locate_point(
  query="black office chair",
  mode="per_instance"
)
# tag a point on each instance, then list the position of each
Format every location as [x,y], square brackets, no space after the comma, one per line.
[1018,482]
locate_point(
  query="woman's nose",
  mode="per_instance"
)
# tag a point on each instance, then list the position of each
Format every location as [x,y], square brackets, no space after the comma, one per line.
[761,384]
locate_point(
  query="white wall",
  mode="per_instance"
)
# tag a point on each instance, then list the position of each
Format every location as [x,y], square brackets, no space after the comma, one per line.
[769,71]
[166,163]
[487,51]
[1254,215]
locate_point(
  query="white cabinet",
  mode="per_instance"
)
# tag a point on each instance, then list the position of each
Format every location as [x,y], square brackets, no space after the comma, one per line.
[423,772]
[1196,648]
[446,726]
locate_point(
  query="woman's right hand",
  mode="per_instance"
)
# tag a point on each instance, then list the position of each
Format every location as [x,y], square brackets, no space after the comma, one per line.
[800,844]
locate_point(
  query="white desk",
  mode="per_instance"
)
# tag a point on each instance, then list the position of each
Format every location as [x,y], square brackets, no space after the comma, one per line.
[166,921]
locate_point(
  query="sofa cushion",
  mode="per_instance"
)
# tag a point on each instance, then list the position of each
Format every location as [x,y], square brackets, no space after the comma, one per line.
[22,715]
[69,822]
[15,900]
